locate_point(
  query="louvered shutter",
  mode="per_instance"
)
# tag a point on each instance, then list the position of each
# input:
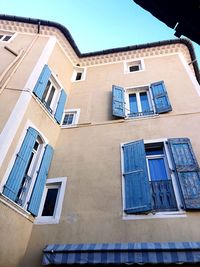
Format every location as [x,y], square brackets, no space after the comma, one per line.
[42,82]
[60,106]
[187,170]
[38,189]
[118,103]
[136,182]
[160,97]
[17,173]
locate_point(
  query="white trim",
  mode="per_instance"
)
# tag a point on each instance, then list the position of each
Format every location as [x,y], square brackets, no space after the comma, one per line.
[75,119]
[134,62]
[13,123]
[157,215]
[190,73]
[61,183]
[10,33]
[76,70]
[136,90]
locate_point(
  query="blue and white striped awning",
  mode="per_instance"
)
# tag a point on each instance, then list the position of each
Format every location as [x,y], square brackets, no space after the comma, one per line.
[126,253]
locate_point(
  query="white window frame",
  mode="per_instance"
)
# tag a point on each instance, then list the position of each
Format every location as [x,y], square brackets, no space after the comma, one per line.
[137,90]
[53,83]
[158,215]
[76,71]
[76,113]
[6,33]
[136,62]
[60,183]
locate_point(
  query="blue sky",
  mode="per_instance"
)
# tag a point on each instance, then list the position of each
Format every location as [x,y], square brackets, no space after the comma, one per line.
[97,24]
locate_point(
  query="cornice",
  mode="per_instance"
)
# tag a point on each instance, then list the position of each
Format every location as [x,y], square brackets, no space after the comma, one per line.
[48,28]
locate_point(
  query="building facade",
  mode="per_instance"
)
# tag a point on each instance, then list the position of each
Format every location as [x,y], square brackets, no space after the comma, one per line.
[99,152]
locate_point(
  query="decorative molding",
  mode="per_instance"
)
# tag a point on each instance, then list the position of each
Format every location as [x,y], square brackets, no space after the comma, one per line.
[26,28]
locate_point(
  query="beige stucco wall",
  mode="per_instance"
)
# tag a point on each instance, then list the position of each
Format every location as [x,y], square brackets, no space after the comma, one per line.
[89,156]
[15,232]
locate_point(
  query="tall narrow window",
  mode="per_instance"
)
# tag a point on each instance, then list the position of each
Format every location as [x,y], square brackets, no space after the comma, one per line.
[163,197]
[50,201]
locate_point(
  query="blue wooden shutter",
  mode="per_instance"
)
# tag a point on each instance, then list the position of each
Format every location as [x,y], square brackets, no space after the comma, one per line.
[160,97]
[136,182]
[187,170]
[118,103]
[42,82]
[60,106]
[36,196]
[13,184]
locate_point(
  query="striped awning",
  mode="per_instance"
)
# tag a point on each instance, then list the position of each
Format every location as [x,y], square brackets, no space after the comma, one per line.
[122,253]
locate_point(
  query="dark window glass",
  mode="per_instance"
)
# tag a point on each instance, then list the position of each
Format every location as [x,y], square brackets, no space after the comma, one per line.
[50,202]
[50,97]
[68,119]
[78,76]
[6,38]
[134,68]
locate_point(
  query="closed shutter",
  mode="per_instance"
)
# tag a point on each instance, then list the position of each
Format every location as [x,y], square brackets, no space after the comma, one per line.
[160,97]
[17,173]
[187,170]
[60,106]
[38,189]
[42,82]
[136,182]
[118,103]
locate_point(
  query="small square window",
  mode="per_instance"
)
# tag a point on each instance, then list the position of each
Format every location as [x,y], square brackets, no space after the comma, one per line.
[5,36]
[78,74]
[133,66]
[70,117]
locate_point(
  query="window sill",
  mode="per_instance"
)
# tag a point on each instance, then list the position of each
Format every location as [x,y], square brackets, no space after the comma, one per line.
[141,117]
[15,207]
[47,220]
[159,215]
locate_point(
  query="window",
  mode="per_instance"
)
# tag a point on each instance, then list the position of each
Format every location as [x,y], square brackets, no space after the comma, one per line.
[133,66]
[26,180]
[70,117]
[49,92]
[140,101]
[78,74]
[5,35]
[52,199]
[160,177]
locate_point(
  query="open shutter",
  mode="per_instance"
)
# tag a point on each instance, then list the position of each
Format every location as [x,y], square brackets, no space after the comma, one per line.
[118,103]
[12,186]
[187,170]
[160,97]
[38,189]
[42,82]
[136,182]
[60,106]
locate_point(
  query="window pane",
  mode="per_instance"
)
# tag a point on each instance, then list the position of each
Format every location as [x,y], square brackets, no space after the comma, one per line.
[78,76]
[50,202]
[68,119]
[134,68]
[154,151]
[50,96]
[157,169]
[46,91]
[144,102]
[6,38]
[133,103]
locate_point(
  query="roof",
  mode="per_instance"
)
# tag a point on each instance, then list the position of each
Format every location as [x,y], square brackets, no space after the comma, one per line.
[69,38]
[182,16]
